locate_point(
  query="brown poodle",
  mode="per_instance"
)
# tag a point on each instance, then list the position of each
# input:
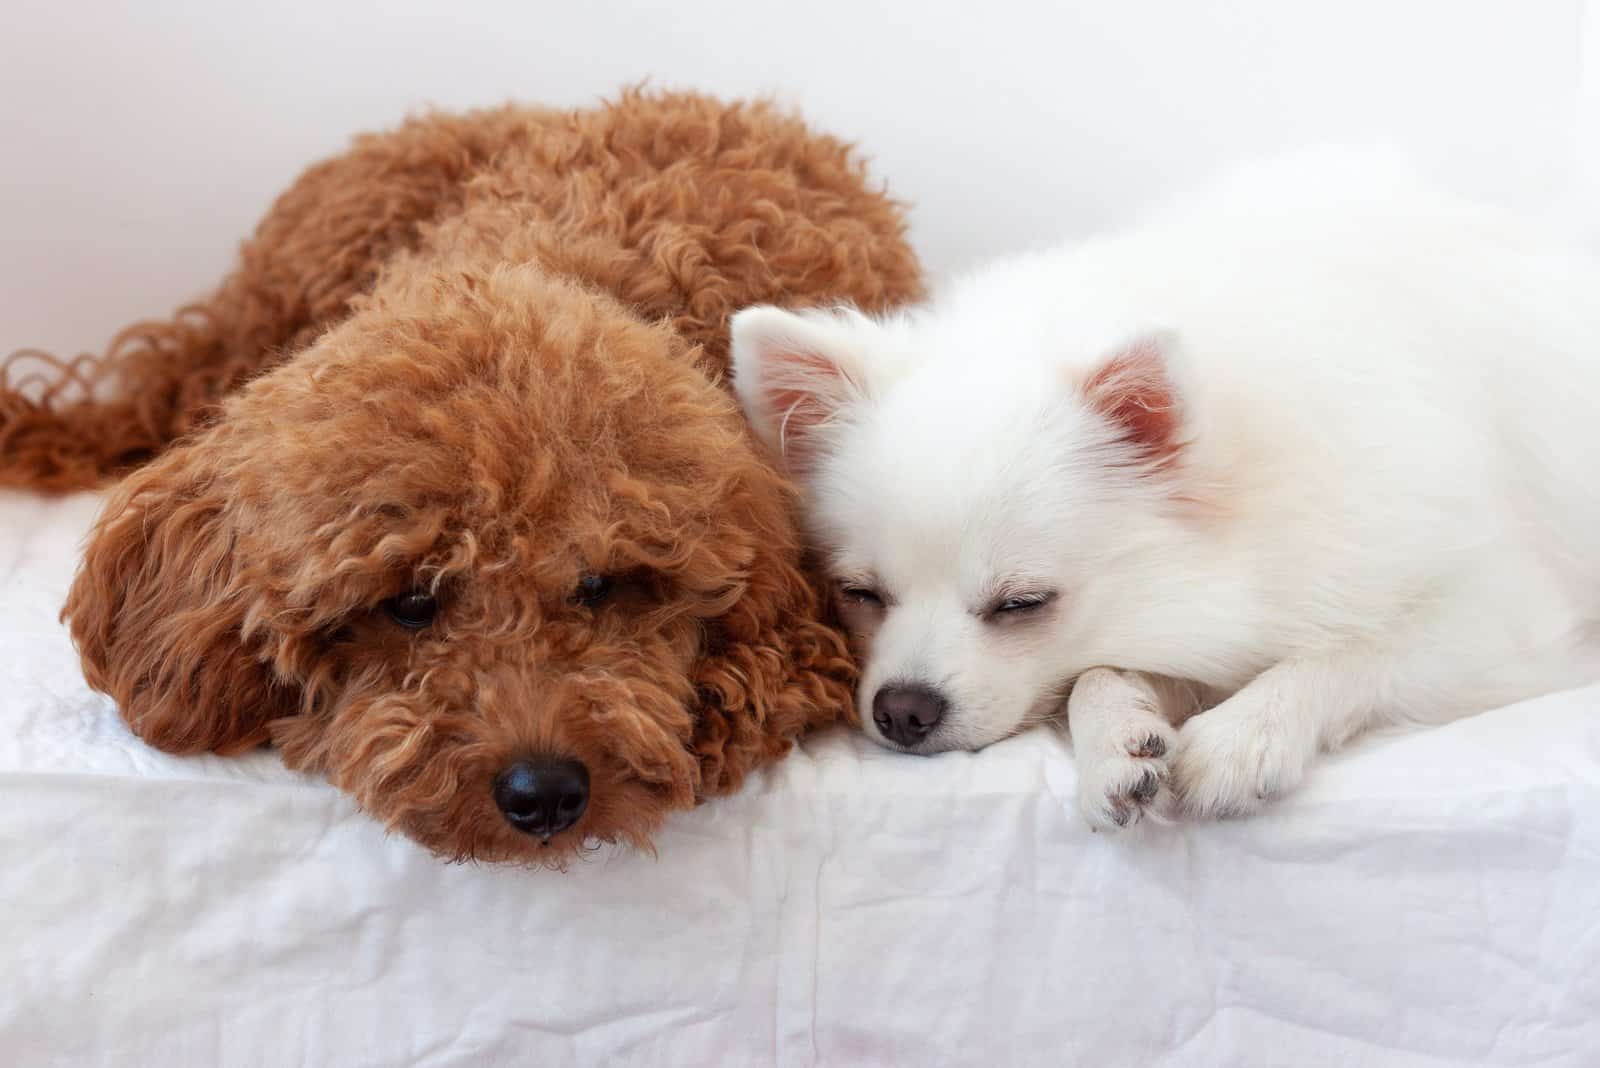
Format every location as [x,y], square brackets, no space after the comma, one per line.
[456,507]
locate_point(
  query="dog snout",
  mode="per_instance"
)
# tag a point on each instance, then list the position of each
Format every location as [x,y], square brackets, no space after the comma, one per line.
[905,714]
[542,796]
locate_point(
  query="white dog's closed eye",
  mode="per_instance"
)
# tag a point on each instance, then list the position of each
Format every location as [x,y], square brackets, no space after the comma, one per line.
[1330,483]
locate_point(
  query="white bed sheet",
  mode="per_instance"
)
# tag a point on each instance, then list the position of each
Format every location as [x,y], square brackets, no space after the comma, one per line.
[1427,899]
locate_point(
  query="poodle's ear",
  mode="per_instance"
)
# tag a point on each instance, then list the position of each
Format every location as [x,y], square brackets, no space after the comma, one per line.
[773,665]
[796,374]
[161,614]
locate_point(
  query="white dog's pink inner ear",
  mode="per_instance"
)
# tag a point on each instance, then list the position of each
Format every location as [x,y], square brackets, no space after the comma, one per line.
[803,392]
[1134,391]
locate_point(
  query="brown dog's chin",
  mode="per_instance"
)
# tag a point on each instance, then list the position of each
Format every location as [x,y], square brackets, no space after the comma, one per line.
[442,799]
[621,812]
[423,756]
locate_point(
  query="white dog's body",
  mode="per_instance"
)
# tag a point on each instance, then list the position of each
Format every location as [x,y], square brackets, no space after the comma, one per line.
[1323,445]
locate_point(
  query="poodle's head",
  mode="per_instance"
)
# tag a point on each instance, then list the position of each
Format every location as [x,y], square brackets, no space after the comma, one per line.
[496,557]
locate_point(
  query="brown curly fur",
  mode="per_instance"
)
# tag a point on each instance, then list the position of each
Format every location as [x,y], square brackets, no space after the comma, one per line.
[480,355]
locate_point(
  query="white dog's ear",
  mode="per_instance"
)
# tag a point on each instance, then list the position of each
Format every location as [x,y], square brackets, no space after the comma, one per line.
[796,374]
[1135,390]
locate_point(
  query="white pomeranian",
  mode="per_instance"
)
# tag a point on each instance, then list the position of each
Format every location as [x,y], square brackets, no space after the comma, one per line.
[1315,451]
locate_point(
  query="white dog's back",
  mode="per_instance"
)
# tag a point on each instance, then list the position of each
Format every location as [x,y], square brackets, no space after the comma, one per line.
[1368,365]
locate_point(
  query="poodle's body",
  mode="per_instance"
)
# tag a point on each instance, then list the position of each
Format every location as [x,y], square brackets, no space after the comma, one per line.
[457,494]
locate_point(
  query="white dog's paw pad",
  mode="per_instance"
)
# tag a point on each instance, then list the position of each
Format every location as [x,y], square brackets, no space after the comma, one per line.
[1121,797]
[1121,789]
[1150,745]
[1147,787]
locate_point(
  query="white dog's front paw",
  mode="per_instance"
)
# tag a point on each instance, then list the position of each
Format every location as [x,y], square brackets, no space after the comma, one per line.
[1122,746]
[1234,758]
[1118,787]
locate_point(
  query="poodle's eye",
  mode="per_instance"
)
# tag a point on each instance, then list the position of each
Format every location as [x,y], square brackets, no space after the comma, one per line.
[863,595]
[1022,603]
[413,610]
[592,589]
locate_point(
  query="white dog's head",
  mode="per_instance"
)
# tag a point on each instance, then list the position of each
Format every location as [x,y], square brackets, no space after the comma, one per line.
[985,517]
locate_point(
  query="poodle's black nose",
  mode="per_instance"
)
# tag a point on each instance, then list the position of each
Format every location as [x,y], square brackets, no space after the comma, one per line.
[543,796]
[905,714]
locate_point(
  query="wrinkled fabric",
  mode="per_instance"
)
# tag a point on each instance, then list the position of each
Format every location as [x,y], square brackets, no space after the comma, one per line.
[1428,898]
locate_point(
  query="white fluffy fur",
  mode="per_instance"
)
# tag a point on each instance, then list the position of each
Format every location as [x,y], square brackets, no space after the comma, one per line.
[1386,509]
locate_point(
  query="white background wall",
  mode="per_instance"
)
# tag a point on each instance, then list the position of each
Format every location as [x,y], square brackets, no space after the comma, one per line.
[140,141]
[1588,131]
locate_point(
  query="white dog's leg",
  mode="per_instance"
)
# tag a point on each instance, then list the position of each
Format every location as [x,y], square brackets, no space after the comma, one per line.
[1260,742]
[1122,740]
[1516,636]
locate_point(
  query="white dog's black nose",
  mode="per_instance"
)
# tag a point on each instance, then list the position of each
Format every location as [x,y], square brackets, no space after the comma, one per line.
[542,796]
[905,714]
